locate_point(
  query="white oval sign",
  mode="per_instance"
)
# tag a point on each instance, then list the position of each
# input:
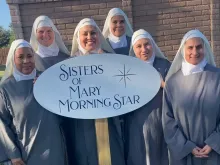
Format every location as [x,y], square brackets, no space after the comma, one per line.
[97,86]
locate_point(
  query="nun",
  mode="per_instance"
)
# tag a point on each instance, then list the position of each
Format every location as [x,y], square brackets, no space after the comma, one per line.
[3,156]
[144,139]
[191,107]
[93,142]
[30,134]
[118,31]
[47,43]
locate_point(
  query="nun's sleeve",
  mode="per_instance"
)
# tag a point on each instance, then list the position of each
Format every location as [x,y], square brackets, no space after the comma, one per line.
[178,145]
[214,138]
[7,136]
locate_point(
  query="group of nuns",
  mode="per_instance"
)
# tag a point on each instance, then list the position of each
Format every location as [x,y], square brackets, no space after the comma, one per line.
[179,126]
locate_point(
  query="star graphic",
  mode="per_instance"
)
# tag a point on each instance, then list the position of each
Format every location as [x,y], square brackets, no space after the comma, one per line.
[124,75]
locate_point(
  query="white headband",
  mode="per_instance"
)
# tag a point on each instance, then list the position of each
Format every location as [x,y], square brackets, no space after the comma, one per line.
[138,37]
[24,45]
[43,24]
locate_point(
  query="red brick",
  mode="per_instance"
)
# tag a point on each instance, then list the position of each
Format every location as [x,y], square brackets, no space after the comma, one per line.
[204,28]
[177,36]
[126,3]
[164,16]
[114,4]
[32,6]
[99,17]
[206,23]
[45,11]
[98,6]
[159,33]
[64,20]
[186,19]
[202,7]
[179,4]
[70,37]
[139,2]
[154,12]
[28,12]
[54,4]
[184,30]
[194,2]
[90,12]
[67,14]
[154,1]
[63,9]
[104,11]
[61,27]
[157,6]
[71,3]
[163,27]
[179,15]
[178,26]
[143,18]
[169,32]
[202,18]
[170,21]
[170,10]
[205,12]
[194,13]
[126,9]
[186,9]
[71,26]
[80,7]
[14,12]
[77,19]
[194,24]
[151,23]
[163,38]
[139,13]
[176,47]
[69,31]
[160,44]
[171,54]
[205,1]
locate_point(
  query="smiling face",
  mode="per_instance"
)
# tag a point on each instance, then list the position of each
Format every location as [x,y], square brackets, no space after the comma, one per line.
[194,51]
[89,37]
[45,36]
[143,49]
[117,25]
[24,60]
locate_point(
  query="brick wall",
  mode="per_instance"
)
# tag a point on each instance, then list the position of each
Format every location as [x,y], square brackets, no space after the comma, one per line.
[215,29]
[3,55]
[166,20]
[67,14]
[169,20]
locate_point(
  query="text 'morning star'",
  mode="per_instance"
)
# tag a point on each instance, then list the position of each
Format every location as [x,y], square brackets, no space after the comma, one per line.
[124,75]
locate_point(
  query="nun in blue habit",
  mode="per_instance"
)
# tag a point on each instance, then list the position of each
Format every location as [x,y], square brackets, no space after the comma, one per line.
[118,31]
[144,138]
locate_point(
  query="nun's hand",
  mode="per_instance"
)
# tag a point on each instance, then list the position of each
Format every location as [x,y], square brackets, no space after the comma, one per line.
[100,51]
[17,161]
[35,79]
[196,152]
[206,150]
[162,85]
